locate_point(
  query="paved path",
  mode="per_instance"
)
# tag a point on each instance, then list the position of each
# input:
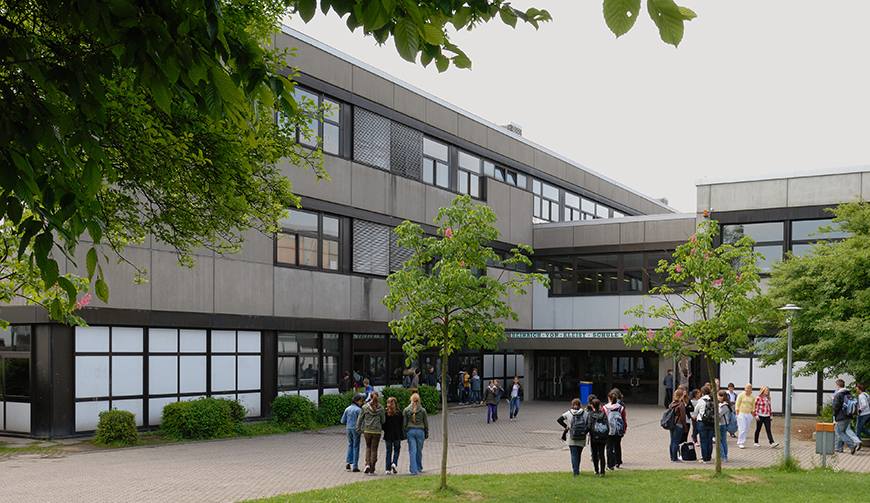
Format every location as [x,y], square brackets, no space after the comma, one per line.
[246,468]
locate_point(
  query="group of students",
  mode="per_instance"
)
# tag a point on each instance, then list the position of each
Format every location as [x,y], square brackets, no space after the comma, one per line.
[367,419]
[604,425]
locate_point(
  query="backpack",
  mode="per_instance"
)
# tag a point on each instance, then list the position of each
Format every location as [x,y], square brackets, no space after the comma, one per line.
[615,423]
[850,405]
[465,380]
[600,428]
[579,428]
[731,425]
[407,381]
[708,417]
[669,419]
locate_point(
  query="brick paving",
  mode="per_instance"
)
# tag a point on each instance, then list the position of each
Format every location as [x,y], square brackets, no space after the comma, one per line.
[247,468]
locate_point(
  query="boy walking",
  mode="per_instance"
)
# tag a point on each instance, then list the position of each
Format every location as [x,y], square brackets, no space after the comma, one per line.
[349,417]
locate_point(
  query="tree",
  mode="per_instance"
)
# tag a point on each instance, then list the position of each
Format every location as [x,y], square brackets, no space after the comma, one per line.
[711,304]
[123,119]
[447,301]
[832,286]
[620,16]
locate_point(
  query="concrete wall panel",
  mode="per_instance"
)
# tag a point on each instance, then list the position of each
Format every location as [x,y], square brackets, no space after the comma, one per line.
[749,195]
[658,231]
[330,294]
[631,232]
[575,175]
[365,299]
[258,247]
[544,308]
[306,184]
[596,313]
[703,197]
[472,131]
[435,199]
[175,288]
[521,216]
[317,63]
[498,142]
[293,296]
[554,237]
[596,235]
[370,188]
[409,103]
[549,164]
[243,288]
[498,197]
[405,197]
[522,152]
[373,87]
[817,190]
[123,292]
[442,117]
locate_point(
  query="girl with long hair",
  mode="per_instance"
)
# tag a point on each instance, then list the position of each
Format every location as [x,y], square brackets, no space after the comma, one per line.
[415,424]
[393,434]
[370,424]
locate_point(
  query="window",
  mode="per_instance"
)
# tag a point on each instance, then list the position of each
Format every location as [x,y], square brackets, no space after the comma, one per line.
[309,239]
[616,273]
[572,207]
[546,202]
[768,238]
[369,357]
[597,274]
[303,364]
[505,175]
[560,271]
[323,120]
[805,234]
[469,175]
[632,272]
[436,168]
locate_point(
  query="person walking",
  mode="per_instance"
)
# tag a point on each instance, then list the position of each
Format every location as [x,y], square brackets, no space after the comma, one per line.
[499,392]
[762,415]
[615,411]
[732,401]
[863,411]
[724,417]
[598,432]
[669,386]
[843,431]
[476,385]
[705,430]
[394,433]
[745,411]
[416,426]
[692,409]
[575,423]
[490,398]
[370,425]
[345,384]
[432,378]
[679,407]
[349,417]
[514,400]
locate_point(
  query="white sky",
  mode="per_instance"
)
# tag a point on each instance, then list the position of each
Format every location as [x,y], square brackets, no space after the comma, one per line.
[755,87]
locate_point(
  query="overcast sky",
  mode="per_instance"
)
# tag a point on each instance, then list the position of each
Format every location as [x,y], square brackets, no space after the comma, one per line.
[754,88]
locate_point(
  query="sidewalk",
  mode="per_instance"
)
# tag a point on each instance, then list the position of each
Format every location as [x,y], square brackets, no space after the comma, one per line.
[247,468]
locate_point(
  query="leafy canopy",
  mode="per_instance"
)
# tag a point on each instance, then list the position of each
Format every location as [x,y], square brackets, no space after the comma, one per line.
[832,286]
[669,18]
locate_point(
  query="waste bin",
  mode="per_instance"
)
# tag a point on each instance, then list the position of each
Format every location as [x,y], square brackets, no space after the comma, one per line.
[585,391]
[825,438]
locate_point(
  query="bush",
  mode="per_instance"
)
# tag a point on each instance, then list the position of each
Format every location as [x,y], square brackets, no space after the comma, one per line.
[117,427]
[403,396]
[430,398]
[202,418]
[331,408]
[294,412]
[826,415]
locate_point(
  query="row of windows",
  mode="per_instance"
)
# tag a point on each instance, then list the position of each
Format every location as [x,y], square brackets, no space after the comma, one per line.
[613,273]
[389,145]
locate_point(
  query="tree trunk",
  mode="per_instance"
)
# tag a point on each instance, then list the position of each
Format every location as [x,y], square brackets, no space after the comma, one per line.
[715,402]
[444,359]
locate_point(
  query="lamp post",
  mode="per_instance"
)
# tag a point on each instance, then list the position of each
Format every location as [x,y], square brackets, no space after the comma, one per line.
[789,309]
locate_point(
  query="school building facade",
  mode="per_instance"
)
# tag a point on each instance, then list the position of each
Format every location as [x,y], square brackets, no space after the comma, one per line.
[292,312]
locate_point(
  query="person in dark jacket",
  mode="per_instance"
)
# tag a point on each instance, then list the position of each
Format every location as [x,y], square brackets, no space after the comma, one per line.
[370,425]
[432,377]
[597,443]
[345,384]
[677,435]
[393,435]
[490,398]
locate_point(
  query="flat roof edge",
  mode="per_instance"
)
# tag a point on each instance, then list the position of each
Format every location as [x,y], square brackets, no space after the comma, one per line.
[785,175]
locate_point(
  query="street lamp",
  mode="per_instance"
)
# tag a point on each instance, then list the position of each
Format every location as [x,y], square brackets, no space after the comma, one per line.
[789,309]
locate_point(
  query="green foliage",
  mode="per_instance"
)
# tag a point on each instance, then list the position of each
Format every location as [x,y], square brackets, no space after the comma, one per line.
[420,28]
[202,418]
[620,16]
[116,427]
[402,396]
[430,399]
[826,415]
[331,408]
[832,286]
[294,412]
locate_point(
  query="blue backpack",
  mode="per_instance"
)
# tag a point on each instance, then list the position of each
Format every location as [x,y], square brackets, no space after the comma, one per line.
[616,426]
[850,405]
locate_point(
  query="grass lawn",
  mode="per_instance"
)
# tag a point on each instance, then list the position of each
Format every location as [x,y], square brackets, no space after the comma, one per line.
[759,485]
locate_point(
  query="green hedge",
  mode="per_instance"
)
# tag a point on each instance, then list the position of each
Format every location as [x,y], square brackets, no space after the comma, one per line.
[202,418]
[294,412]
[116,427]
[331,408]
[430,398]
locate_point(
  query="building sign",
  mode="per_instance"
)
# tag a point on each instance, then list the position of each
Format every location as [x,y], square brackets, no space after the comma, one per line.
[566,335]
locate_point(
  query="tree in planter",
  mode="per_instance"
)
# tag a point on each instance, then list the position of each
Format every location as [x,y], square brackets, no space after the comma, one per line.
[711,304]
[447,303]
[832,286]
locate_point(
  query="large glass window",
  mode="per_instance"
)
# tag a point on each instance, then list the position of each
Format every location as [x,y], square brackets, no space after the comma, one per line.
[307,360]
[768,238]
[323,120]
[805,234]
[309,239]
[369,357]
[505,175]
[470,168]
[560,270]
[572,207]
[546,202]
[436,166]
[597,274]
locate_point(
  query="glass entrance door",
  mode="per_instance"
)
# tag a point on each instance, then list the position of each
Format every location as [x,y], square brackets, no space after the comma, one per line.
[557,378]
[636,376]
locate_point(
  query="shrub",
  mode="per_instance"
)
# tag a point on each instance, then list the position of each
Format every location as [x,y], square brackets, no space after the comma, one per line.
[117,427]
[430,398]
[293,412]
[403,396]
[826,415]
[202,418]
[331,408]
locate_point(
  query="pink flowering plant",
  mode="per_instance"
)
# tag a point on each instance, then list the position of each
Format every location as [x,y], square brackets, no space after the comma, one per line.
[710,305]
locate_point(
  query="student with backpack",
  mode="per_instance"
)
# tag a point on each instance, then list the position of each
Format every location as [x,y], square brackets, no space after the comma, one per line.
[617,424]
[705,413]
[599,430]
[725,413]
[575,423]
[863,411]
[679,407]
[762,415]
[843,404]
[476,385]
[349,417]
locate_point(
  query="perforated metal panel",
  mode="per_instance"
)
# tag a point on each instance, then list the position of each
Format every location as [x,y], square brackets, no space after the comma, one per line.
[398,254]
[406,151]
[371,248]
[371,138]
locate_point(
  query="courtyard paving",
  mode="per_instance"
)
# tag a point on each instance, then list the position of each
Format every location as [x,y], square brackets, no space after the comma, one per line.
[246,468]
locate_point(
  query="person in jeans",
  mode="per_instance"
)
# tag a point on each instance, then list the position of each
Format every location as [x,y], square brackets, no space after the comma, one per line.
[370,425]
[679,406]
[669,386]
[490,398]
[863,411]
[745,406]
[597,444]
[349,417]
[844,432]
[575,445]
[416,427]
[613,449]
[724,417]
[394,433]
[476,385]
[762,415]
[705,431]
[514,400]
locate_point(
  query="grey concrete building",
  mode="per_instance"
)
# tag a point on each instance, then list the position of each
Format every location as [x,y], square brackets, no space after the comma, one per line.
[292,312]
